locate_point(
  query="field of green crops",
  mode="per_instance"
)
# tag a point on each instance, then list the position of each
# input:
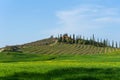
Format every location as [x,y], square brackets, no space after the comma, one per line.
[68,49]
[20,66]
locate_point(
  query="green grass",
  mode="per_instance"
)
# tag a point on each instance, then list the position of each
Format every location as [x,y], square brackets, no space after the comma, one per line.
[60,70]
[24,66]
[23,57]
[47,60]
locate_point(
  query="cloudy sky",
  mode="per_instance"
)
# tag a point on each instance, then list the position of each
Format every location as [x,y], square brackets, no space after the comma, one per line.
[24,21]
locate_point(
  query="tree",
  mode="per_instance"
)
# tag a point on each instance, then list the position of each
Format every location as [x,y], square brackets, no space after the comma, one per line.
[112,44]
[12,49]
[98,42]
[69,40]
[90,41]
[73,38]
[60,38]
[116,45]
[104,43]
[77,39]
[93,39]
[51,36]
[119,44]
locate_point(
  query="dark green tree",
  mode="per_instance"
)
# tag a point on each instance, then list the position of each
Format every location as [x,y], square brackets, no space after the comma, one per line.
[73,38]
[116,44]
[60,39]
[112,44]
[12,49]
[77,39]
[119,44]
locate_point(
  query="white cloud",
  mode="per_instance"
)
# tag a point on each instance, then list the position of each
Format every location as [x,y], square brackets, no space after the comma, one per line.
[87,19]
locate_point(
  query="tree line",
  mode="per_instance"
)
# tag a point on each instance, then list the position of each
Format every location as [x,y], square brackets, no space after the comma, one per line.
[73,39]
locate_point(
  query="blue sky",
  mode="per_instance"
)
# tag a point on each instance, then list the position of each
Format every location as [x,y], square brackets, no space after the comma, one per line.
[24,21]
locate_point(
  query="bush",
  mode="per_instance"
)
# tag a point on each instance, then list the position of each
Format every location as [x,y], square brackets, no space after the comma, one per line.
[12,49]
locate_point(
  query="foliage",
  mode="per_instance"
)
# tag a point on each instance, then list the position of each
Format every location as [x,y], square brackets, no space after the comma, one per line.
[65,38]
[12,49]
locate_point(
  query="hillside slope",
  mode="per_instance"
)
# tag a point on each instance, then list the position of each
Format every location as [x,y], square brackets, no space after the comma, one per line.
[52,46]
[60,48]
[41,42]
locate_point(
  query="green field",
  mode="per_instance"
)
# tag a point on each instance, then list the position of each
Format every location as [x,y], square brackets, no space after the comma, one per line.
[21,66]
[41,60]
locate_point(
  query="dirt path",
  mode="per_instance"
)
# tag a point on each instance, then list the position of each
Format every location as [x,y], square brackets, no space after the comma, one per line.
[54,43]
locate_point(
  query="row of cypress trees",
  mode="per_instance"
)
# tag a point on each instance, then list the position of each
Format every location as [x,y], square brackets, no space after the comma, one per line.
[73,39]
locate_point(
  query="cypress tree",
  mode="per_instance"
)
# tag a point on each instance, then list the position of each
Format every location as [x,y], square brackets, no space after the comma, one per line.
[87,41]
[112,44]
[83,40]
[119,44]
[70,37]
[98,42]
[61,40]
[83,37]
[58,37]
[90,41]
[80,37]
[93,40]
[73,38]
[104,43]
[107,43]
[70,40]
[101,42]
[93,37]
[116,44]
[76,40]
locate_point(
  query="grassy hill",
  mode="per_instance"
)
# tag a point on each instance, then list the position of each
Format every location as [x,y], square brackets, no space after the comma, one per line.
[52,49]
[51,59]
[61,48]
[52,46]
[46,41]
[67,45]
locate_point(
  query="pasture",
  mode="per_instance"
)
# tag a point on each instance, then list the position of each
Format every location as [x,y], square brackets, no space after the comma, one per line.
[59,67]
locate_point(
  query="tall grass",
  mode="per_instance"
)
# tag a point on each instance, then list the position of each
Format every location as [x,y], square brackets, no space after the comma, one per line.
[60,70]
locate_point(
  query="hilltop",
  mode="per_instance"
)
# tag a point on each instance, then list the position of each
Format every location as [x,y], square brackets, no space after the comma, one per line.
[66,44]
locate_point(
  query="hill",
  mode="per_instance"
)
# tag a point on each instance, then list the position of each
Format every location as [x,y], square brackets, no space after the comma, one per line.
[62,58]
[70,49]
[65,44]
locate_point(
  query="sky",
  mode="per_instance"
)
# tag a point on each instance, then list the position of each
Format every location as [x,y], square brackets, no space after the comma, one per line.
[23,21]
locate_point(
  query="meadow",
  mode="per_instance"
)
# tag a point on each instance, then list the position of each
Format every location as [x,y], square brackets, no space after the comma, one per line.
[22,66]
[49,59]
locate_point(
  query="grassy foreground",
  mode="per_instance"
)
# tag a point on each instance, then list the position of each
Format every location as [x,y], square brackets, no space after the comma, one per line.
[56,67]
